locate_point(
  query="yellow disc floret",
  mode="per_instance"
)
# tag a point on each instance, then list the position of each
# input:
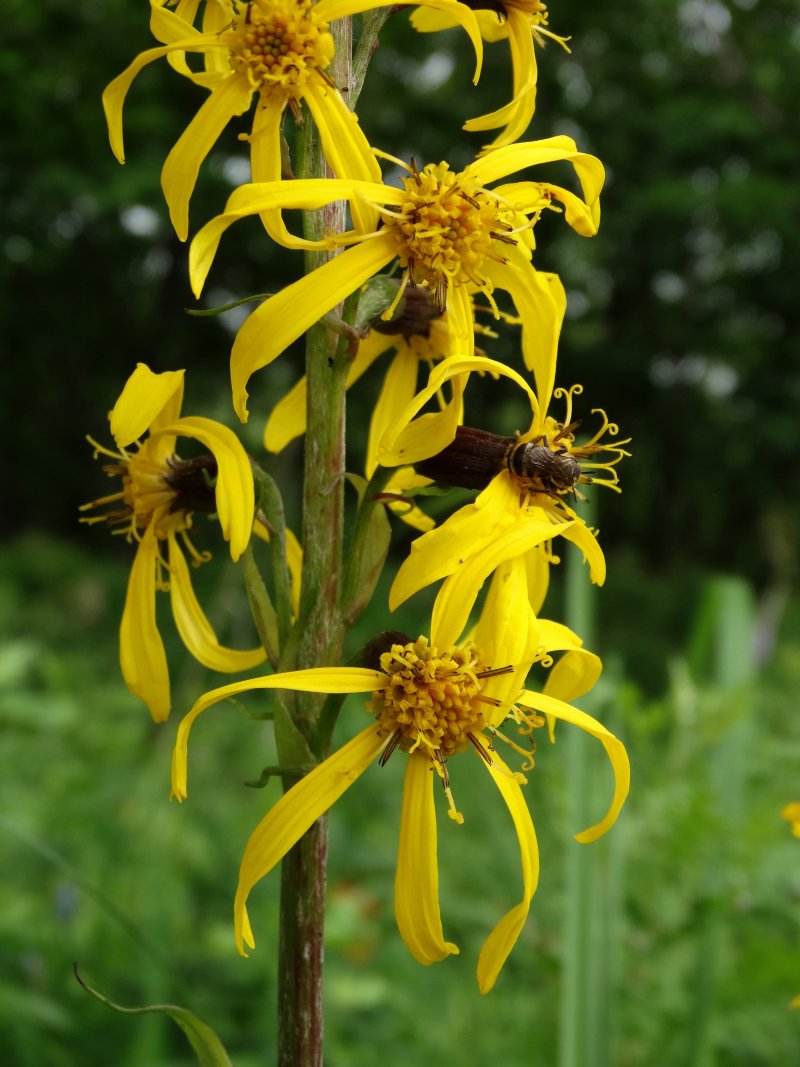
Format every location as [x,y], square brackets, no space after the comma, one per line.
[446,229]
[432,700]
[279,43]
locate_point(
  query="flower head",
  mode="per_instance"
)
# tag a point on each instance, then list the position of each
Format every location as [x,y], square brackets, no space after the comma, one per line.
[526,482]
[154,507]
[449,231]
[279,49]
[432,701]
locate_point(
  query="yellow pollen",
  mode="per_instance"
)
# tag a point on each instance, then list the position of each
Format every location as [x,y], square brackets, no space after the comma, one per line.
[278,43]
[446,229]
[146,498]
[431,702]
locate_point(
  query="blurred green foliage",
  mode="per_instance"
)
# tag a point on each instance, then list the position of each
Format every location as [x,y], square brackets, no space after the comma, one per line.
[682,323]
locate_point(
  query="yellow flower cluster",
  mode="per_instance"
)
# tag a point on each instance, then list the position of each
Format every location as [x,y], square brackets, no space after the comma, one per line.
[457,240]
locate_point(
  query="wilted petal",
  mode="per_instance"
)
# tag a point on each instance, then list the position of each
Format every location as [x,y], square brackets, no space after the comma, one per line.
[416,885]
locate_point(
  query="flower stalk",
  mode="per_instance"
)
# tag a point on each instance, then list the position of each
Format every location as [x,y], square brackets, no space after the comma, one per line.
[319,631]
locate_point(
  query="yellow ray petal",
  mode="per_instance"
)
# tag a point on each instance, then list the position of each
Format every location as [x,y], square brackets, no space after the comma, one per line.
[144,397]
[507,634]
[416,884]
[345,146]
[502,939]
[255,199]
[396,392]
[574,674]
[314,680]
[580,535]
[287,821]
[234,492]
[196,631]
[442,551]
[615,750]
[279,321]
[537,564]
[541,302]
[181,167]
[115,92]
[294,561]
[460,13]
[395,446]
[265,164]
[517,114]
[141,652]
[458,594]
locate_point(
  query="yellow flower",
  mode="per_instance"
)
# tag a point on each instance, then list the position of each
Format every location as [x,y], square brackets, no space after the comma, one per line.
[519,510]
[433,701]
[154,508]
[521,22]
[448,231]
[279,49]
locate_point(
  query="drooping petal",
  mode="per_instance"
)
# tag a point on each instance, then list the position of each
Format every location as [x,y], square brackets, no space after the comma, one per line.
[515,157]
[615,750]
[147,399]
[279,321]
[517,114]
[345,146]
[458,594]
[440,552]
[398,388]
[460,321]
[541,302]
[265,163]
[196,631]
[234,491]
[416,884]
[580,535]
[115,92]
[314,680]
[502,939]
[255,199]
[460,13]
[403,443]
[181,167]
[404,481]
[296,811]
[508,634]
[537,565]
[141,651]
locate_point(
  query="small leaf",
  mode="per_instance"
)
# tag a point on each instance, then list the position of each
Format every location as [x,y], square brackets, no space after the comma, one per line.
[207,1046]
[292,747]
[201,313]
[369,563]
[376,297]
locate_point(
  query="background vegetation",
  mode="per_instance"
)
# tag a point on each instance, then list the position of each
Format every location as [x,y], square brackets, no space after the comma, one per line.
[683,324]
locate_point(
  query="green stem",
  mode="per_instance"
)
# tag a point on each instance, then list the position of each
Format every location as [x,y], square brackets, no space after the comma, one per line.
[372,23]
[318,634]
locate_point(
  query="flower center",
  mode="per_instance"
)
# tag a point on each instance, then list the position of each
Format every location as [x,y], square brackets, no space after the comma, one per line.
[432,701]
[146,499]
[279,43]
[446,229]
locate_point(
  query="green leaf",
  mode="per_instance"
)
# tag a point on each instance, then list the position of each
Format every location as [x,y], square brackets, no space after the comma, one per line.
[368,563]
[205,1043]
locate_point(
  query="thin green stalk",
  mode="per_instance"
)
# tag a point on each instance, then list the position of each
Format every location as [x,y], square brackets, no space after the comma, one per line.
[319,628]
[260,606]
[379,479]
[270,501]
[372,22]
